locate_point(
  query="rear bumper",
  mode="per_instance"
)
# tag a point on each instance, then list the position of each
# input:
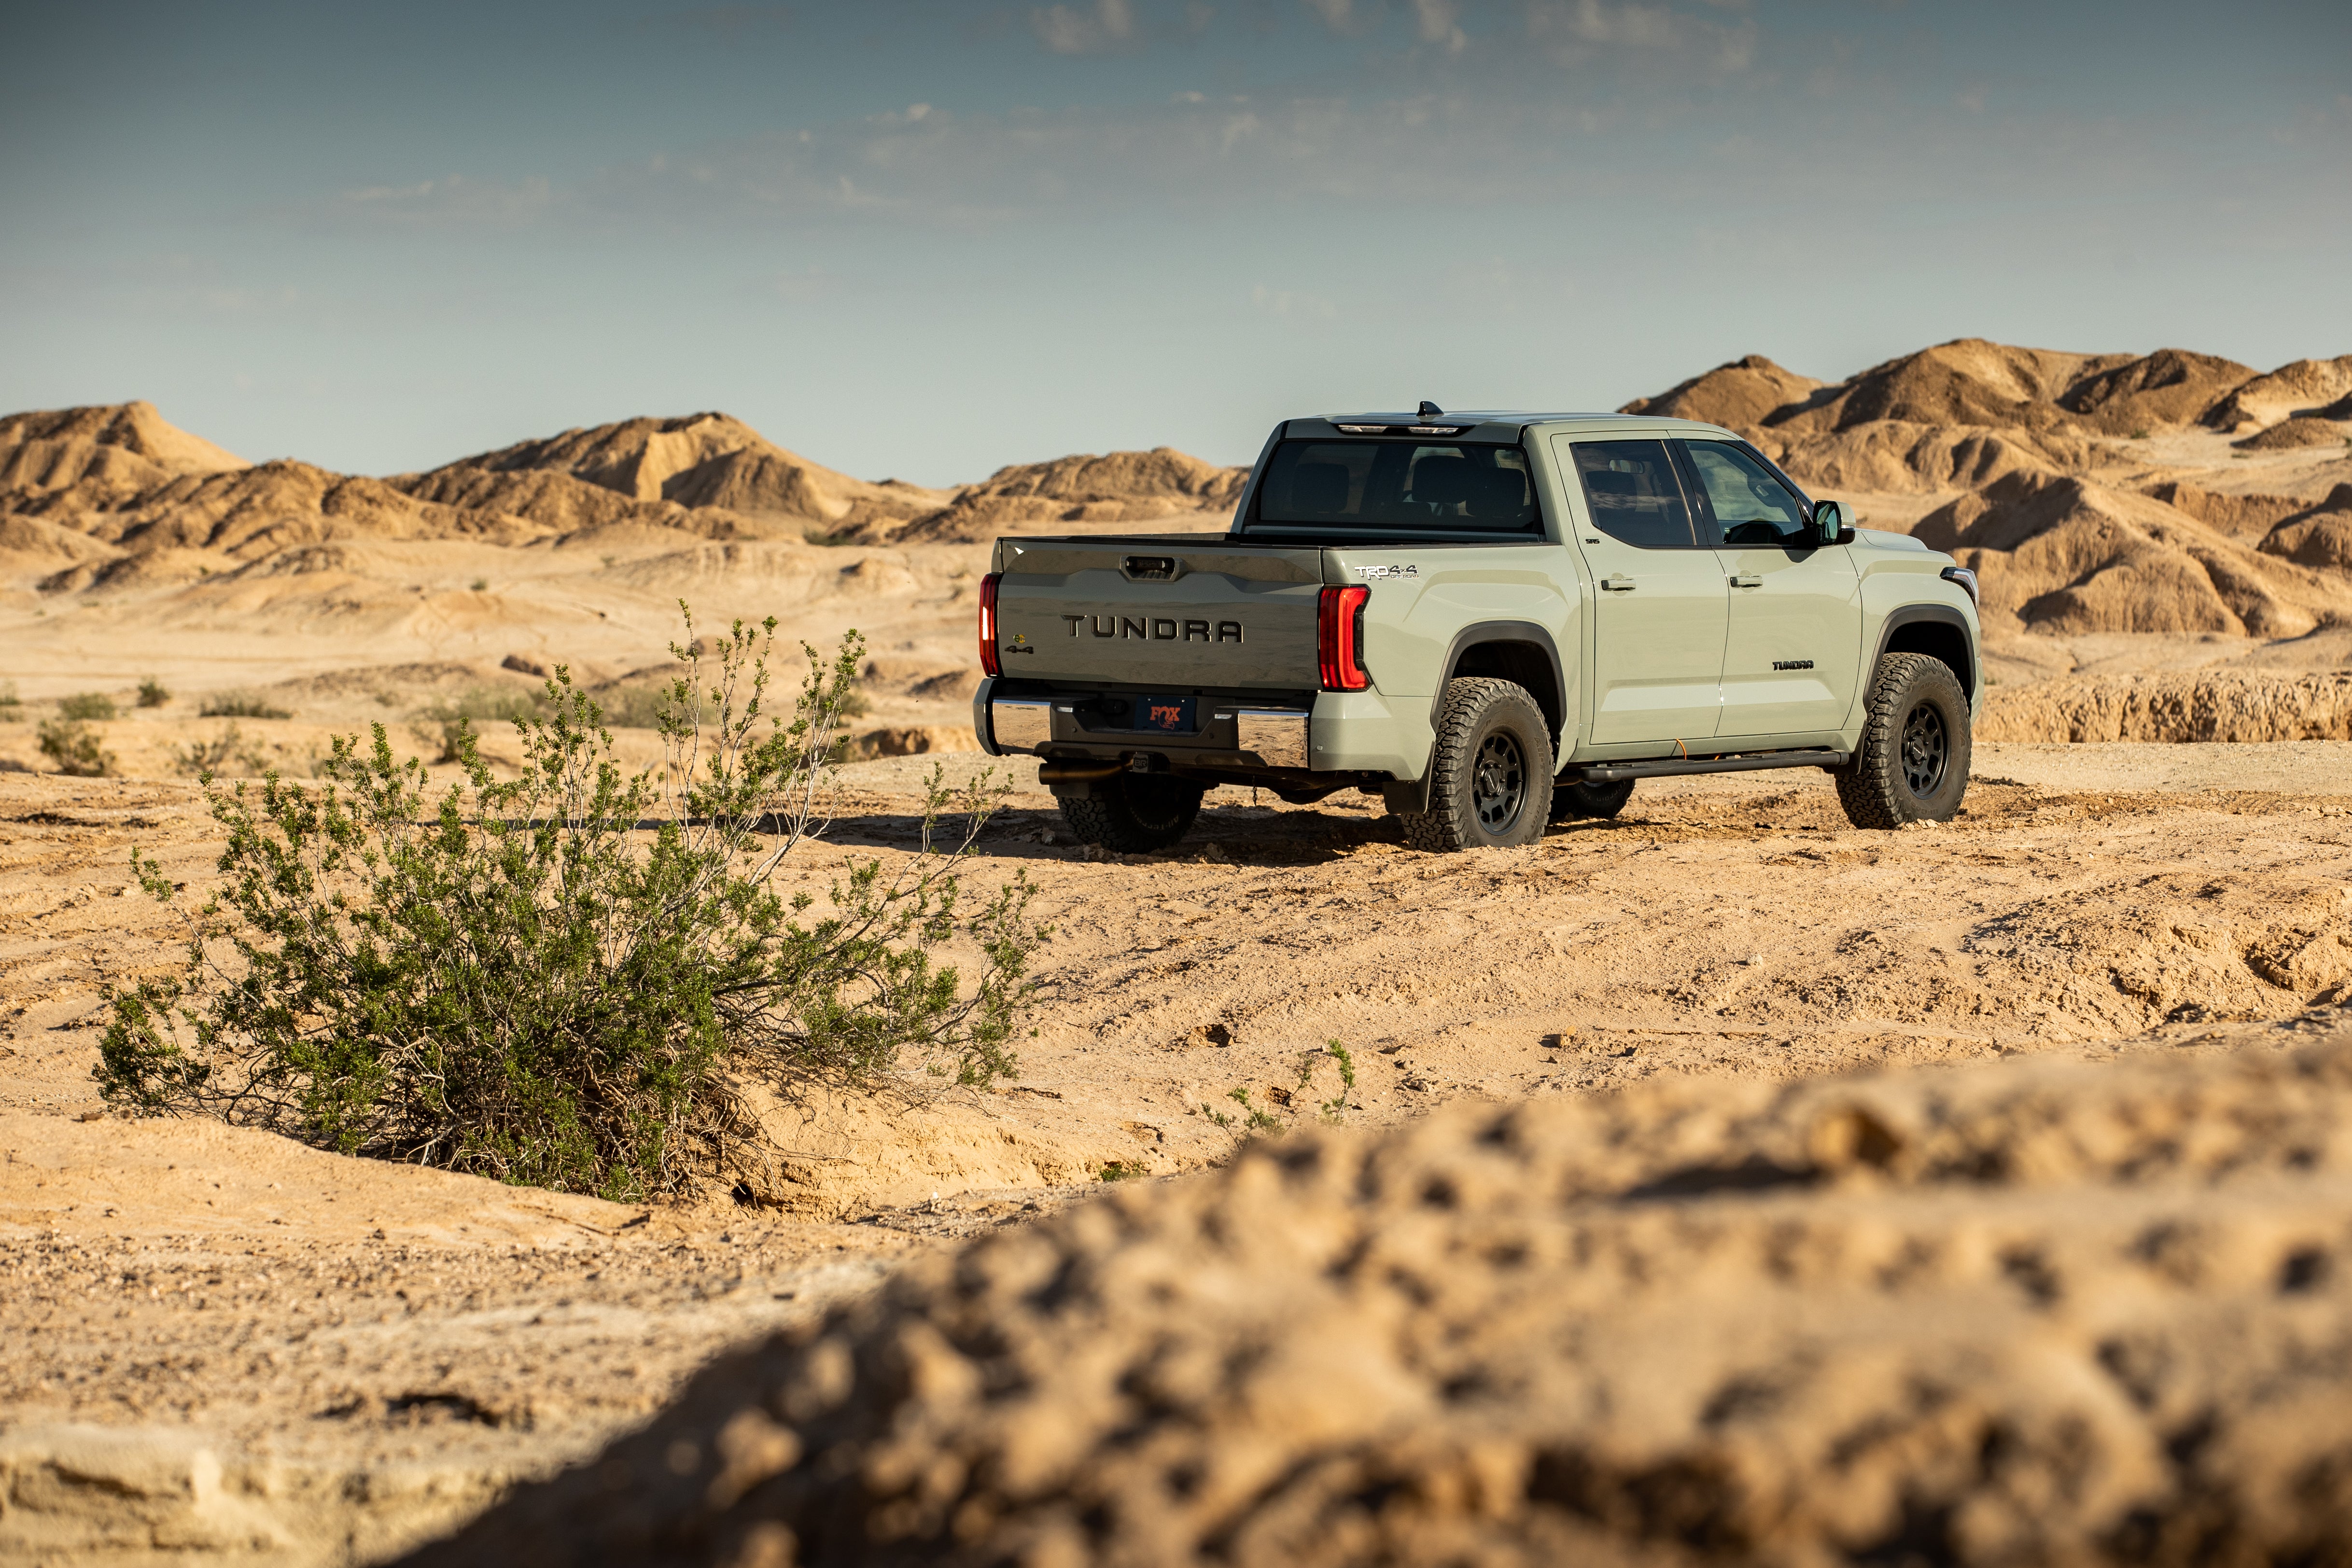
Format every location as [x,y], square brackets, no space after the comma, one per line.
[1233,732]
[1347,733]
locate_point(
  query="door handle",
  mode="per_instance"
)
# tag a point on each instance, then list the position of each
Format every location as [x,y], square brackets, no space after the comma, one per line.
[1739,582]
[1618,583]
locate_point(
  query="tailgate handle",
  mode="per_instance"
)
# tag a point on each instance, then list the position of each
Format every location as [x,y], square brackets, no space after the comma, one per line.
[1152,568]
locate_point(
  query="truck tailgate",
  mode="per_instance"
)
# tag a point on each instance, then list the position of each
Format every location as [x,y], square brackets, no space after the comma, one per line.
[1180,611]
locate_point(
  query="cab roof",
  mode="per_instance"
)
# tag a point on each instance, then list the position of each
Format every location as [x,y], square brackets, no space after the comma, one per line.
[1481,424]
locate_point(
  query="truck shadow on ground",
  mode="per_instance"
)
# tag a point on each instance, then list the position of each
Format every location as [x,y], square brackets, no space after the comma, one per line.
[1300,835]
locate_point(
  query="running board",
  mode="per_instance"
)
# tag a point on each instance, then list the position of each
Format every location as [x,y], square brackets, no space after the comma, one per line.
[1616,773]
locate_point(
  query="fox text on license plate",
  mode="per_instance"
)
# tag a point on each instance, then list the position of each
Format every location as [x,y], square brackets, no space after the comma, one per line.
[1165,715]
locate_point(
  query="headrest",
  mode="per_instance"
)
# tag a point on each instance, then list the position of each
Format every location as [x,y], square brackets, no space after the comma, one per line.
[1441,481]
[1498,492]
[1318,487]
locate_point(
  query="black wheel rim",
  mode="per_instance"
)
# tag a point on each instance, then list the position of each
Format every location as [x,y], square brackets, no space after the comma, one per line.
[1925,752]
[1498,782]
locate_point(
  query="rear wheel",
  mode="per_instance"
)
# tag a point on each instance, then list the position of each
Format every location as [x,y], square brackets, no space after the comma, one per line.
[1490,772]
[1134,813]
[1571,800]
[1914,761]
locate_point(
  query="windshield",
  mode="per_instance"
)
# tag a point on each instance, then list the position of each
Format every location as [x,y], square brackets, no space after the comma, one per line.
[1448,485]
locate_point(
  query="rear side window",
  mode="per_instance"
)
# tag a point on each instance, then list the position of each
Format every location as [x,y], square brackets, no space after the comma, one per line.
[1635,494]
[1396,484]
[1750,504]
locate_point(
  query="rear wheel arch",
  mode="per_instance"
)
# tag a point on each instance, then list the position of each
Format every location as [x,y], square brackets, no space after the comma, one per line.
[1520,652]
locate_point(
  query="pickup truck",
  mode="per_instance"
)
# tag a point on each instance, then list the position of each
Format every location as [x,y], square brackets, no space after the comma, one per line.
[1492,621]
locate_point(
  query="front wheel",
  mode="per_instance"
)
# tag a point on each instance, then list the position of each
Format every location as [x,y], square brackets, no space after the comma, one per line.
[1490,772]
[1134,813]
[1912,766]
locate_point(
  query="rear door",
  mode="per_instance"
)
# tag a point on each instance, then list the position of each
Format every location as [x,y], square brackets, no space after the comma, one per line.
[1793,649]
[1661,603]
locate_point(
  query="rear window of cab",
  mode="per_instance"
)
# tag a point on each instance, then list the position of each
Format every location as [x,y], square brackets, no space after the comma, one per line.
[1417,487]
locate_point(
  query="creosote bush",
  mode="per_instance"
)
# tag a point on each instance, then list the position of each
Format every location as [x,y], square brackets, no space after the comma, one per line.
[86,705]
[153,693]
[442,726]
[75,747]
[570,979]
[241,705]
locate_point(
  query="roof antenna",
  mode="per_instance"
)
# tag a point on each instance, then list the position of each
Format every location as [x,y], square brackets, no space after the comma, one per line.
[1429,408]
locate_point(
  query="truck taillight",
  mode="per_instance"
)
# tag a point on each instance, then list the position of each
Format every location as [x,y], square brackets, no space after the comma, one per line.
[1339,639]
[989,663]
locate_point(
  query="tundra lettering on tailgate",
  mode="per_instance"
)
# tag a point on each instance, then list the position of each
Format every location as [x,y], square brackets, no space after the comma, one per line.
[1155,629]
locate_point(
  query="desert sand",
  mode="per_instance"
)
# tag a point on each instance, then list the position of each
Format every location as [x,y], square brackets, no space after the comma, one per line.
[2136,938]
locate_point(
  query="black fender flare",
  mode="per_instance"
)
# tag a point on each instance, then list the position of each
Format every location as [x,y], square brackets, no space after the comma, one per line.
[1971,678]
[1413,794]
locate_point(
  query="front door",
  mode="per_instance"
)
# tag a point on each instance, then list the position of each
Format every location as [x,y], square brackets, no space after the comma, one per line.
[1660,604]
[1794,647]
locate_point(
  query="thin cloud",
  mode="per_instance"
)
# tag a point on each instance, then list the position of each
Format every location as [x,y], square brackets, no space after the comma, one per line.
[1108,25]
[1573,30]
[1437,22]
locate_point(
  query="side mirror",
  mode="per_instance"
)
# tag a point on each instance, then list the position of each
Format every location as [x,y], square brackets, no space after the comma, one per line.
[1831,525]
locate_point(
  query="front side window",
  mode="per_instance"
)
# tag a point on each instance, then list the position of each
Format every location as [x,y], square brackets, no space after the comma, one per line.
[1634,493]
[1749,505]
[1395,484]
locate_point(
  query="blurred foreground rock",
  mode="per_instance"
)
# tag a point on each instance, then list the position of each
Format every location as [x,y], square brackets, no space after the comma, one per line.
[2031,1311]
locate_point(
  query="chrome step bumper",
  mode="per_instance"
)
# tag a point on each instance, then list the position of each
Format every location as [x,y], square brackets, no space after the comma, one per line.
[1276,737]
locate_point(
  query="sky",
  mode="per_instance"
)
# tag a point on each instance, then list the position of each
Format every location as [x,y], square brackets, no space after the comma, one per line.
[924,240]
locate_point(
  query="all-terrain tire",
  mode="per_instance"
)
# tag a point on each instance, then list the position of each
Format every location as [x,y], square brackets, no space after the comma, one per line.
[1914,761]
[1573,798]
[1490,772]
[1134,813]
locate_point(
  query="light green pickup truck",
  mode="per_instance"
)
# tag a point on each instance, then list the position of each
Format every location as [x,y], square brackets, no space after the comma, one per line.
[1494,621]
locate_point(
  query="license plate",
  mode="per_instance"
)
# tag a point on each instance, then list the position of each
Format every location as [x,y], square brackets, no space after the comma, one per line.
[1166,715]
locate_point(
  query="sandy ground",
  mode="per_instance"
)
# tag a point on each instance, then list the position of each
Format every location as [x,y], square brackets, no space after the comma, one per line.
[372,1352]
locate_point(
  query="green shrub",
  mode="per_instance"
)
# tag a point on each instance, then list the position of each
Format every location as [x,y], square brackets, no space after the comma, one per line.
[74,747]
[203,759]
[241,705]
[11,709]
[86,706]
[567,980]
[441,727]
[151,693]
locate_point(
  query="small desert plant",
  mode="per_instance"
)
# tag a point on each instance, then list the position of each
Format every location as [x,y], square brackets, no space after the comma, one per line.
[74,747]
[86,706]
[151,693]
[1120,1171]
[10,707]
[1255,1118]
[567,980]
[2139,434]
[443,727]
[480,583]
[203,759]
[241,705]
[1337,1102]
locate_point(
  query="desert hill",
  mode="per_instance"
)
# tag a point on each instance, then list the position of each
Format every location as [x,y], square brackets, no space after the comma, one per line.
[700,461]
[2094,493]
[1743,393]
[1115,490]
[118,449]
[107,498]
